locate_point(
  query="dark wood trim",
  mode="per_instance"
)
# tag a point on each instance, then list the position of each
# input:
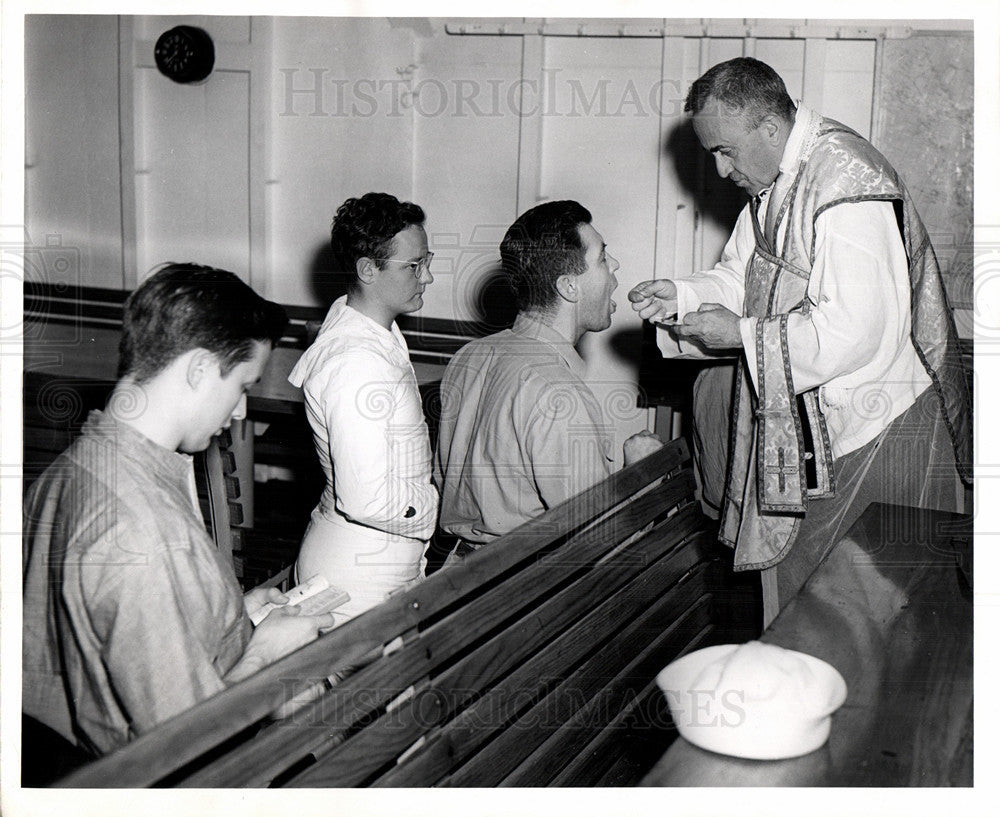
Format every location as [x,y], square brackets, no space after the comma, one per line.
[435,339]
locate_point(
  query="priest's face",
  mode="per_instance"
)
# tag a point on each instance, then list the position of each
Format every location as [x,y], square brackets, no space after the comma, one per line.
[748,155]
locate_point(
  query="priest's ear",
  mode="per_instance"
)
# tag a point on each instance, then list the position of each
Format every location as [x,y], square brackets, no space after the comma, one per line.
[771,127]
[568,288]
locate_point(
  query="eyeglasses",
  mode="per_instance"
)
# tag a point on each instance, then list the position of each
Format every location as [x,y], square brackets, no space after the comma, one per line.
[416,267]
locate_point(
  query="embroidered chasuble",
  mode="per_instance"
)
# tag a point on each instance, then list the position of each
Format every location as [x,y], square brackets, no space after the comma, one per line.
[780,456]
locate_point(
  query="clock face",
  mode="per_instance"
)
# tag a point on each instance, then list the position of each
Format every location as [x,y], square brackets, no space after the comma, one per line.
[185,54]
[175,52]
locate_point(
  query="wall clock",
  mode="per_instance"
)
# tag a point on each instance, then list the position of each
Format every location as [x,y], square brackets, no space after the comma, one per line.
[185,54]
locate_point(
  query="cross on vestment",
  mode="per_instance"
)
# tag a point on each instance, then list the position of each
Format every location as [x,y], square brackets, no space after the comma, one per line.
[781,469]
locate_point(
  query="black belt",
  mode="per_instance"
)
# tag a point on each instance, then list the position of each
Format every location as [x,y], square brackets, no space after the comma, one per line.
[463,548]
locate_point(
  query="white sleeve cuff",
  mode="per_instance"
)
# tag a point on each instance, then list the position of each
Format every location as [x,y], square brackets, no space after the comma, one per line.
[668,345]
[687,299]
[748,333]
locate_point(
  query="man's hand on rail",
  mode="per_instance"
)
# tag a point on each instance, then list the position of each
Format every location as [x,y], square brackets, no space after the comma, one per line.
[640,445]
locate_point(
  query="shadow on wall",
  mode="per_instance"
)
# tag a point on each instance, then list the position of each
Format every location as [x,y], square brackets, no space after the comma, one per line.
[716,198]
[492,300]
[327,282]
[626,343]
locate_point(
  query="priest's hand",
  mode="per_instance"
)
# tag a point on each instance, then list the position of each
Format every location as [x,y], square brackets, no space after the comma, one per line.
[714,326]
[655,301]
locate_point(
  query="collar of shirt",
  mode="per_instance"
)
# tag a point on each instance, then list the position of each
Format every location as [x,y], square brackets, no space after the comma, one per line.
[164,464]
[344,315]
[796,139]
[346,325]
[790,155]
[760,200]
[529,326]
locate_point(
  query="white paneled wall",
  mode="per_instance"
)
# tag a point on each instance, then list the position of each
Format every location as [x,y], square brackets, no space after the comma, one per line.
[465,156]
[246,169]
[476,123]
[192,186]
[338,126]
[191,149]
[72,174]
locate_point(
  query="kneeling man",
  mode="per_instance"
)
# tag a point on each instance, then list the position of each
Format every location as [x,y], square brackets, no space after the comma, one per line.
[520,429]
[131,615]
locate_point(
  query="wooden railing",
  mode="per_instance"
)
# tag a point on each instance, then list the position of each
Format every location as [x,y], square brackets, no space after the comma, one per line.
[530,663]
[430,340]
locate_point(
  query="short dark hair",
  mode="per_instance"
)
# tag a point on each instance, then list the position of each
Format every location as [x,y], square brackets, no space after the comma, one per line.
[364,228]
[744,85]
[188,306]
[543,244]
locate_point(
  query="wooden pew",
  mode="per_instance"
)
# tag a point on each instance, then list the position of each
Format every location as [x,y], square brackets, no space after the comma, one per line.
[531,663]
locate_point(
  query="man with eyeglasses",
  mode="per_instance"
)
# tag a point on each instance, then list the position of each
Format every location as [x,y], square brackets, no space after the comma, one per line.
[850,389]
[369,532]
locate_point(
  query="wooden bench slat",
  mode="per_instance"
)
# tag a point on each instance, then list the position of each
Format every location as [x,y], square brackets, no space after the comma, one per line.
[193,733]
[438,645]
[599,756]
[384,680]
[501,757]
[502,704]
[592,761]
[474,725]
[544,765]
[72,312]
[56,292]
[44,303]
[367,752]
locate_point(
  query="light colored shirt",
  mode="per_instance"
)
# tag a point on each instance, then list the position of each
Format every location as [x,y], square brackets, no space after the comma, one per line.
[131,615]
[379,507]
[363,404]
[854,344]
[520,431]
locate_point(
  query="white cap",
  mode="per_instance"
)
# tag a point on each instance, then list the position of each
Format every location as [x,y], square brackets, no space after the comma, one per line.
[753,700]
